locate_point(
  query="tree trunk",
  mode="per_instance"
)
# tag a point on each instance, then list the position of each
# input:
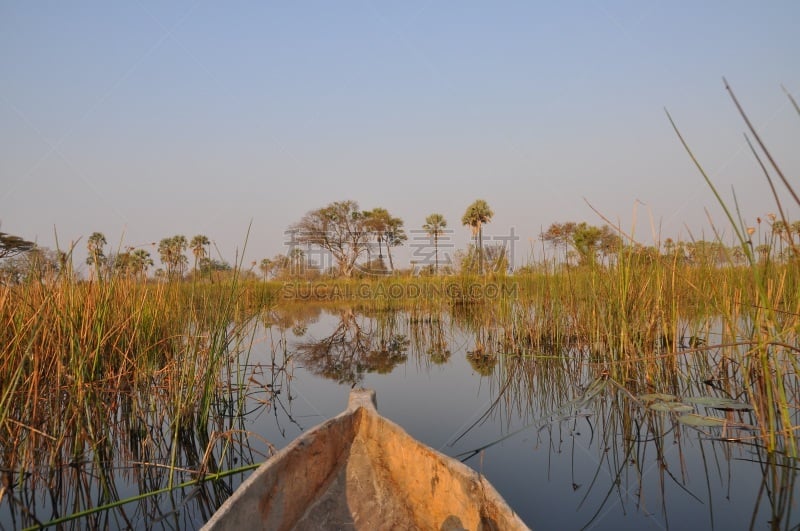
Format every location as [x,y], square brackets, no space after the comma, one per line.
[436,253]
[480,246]
[389,253]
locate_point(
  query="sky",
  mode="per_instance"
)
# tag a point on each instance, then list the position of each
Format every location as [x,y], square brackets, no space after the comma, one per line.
[142,120]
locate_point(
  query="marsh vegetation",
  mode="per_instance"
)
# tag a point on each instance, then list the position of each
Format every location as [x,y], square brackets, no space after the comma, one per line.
[626,384]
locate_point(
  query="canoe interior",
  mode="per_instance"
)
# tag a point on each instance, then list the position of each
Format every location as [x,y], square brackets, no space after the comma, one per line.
[361,471]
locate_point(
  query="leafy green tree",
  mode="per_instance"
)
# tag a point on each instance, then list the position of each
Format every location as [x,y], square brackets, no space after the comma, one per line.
[119,263]
[11,245]
[495,259]
[265,266]
[171,252]
[702,252]
[559,235]
[377,221]
[434,226]
[35,264]
[763,251]
[95,245]
[388,231]
[587,241]
[132,263]
[212,265]
[340,228]
[199,245]
[476,215]
[795,228]
[141,262]
[394,236]
[278,267]
[297,262]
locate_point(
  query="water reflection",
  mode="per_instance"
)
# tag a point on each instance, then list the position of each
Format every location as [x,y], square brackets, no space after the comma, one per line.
[429,337]
[569,440]
[356,346]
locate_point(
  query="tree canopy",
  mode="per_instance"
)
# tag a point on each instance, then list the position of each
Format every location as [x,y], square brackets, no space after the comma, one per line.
[346,232]
[586,240]
[11,245]
[387,230]
[475,216]
[340,228]
[171,252]
[434,226]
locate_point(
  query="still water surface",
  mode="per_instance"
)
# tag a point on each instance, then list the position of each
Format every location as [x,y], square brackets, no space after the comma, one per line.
[567,447]
[561,462]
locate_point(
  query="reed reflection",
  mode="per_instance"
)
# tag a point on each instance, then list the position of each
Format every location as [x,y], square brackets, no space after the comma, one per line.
[656,442]
[430,339]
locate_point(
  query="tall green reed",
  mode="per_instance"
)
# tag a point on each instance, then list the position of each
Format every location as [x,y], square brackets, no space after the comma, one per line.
[88,365]
[762,321]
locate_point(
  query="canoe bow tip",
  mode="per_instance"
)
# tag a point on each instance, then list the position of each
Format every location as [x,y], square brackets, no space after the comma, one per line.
[362,398]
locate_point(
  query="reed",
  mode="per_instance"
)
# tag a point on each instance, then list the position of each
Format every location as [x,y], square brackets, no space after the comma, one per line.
[764,318]
[86,366]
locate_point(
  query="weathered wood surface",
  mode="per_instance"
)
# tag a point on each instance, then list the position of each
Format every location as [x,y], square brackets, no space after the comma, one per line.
[362,471]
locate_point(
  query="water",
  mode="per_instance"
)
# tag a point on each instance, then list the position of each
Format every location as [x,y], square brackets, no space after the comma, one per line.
[570,468]
[561,454]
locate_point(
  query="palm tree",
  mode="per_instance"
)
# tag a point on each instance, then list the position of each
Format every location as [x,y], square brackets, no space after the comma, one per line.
[394,236]
[476,215]
[377,221]
[434,226]
[795,228]
[97,257]
[388,231]
[141,261]
[171,251]
[296,259]
[265,265]
[198,246]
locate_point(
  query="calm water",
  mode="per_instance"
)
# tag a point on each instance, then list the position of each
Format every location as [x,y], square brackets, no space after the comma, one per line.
[565,448]
[565,465]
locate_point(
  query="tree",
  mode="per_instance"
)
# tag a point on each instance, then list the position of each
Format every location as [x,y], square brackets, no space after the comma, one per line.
[394,236]
[706,253]
[297,262]
[198,246]
[265,266]
[211,265]
[11,245]
[795,228]
[281,266]
[171,251]
[476,215]
[340,228]
[495,259]
[141,261]
[97,257]
[35,264]
[133,263]
[377,221]
[434,226]
[560,235]
[387,230]
[586,240]
[763,251]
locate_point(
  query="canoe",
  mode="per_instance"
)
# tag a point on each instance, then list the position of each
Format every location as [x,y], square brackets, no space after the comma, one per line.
[359,470]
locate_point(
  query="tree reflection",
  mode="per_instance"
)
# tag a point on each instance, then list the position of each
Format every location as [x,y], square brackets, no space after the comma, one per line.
[482,361]
[483,357]
[354,349]
[295,318]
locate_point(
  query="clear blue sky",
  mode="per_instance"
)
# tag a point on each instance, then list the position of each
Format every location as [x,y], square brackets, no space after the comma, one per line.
[147,119]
